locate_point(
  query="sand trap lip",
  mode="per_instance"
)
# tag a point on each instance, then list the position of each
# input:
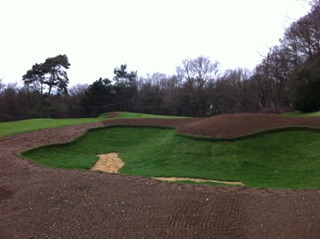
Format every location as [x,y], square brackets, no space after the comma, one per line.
[111,163]
[198,180]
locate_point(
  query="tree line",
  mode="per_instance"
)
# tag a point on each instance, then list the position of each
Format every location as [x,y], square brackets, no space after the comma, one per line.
[287,78]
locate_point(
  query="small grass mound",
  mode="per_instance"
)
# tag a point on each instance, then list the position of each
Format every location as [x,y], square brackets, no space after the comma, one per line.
[130,115]
[289,159]
[298,113]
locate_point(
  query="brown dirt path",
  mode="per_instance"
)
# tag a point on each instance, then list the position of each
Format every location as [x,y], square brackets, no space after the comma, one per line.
[235,125]
[41,202]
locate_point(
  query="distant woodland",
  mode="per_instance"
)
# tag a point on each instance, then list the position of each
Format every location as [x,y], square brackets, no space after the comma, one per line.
[288,78]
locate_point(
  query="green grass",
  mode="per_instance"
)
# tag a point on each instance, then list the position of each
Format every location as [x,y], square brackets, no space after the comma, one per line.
[129,115]
[298,113]
[288,159]
[22,126]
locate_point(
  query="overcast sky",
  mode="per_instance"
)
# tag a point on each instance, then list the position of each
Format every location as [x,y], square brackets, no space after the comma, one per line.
[148,35]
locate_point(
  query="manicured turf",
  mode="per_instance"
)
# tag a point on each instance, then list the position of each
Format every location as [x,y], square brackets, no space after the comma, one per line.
[21,126]
[289,159]
[129,115]
[297,113]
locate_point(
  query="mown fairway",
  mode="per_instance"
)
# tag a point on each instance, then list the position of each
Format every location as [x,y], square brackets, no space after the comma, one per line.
[21,126]
[289,159]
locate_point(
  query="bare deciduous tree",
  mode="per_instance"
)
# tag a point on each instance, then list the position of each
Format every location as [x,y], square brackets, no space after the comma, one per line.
[151,93]
[196,77]
[231,91]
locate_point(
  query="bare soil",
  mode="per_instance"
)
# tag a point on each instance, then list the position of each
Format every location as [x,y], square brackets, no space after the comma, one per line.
[42,202]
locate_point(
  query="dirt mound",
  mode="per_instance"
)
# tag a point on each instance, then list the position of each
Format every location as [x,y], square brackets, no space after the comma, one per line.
[235,125]
[41,202]
[152,122]
[224,126]
[113,115]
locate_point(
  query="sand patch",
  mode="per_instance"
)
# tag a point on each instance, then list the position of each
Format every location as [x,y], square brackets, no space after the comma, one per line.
[109,163]
[198,180]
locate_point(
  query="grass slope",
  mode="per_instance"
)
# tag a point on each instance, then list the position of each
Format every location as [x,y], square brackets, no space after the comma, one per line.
[130,115]
[289,159]
[22,126]
[298,113]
